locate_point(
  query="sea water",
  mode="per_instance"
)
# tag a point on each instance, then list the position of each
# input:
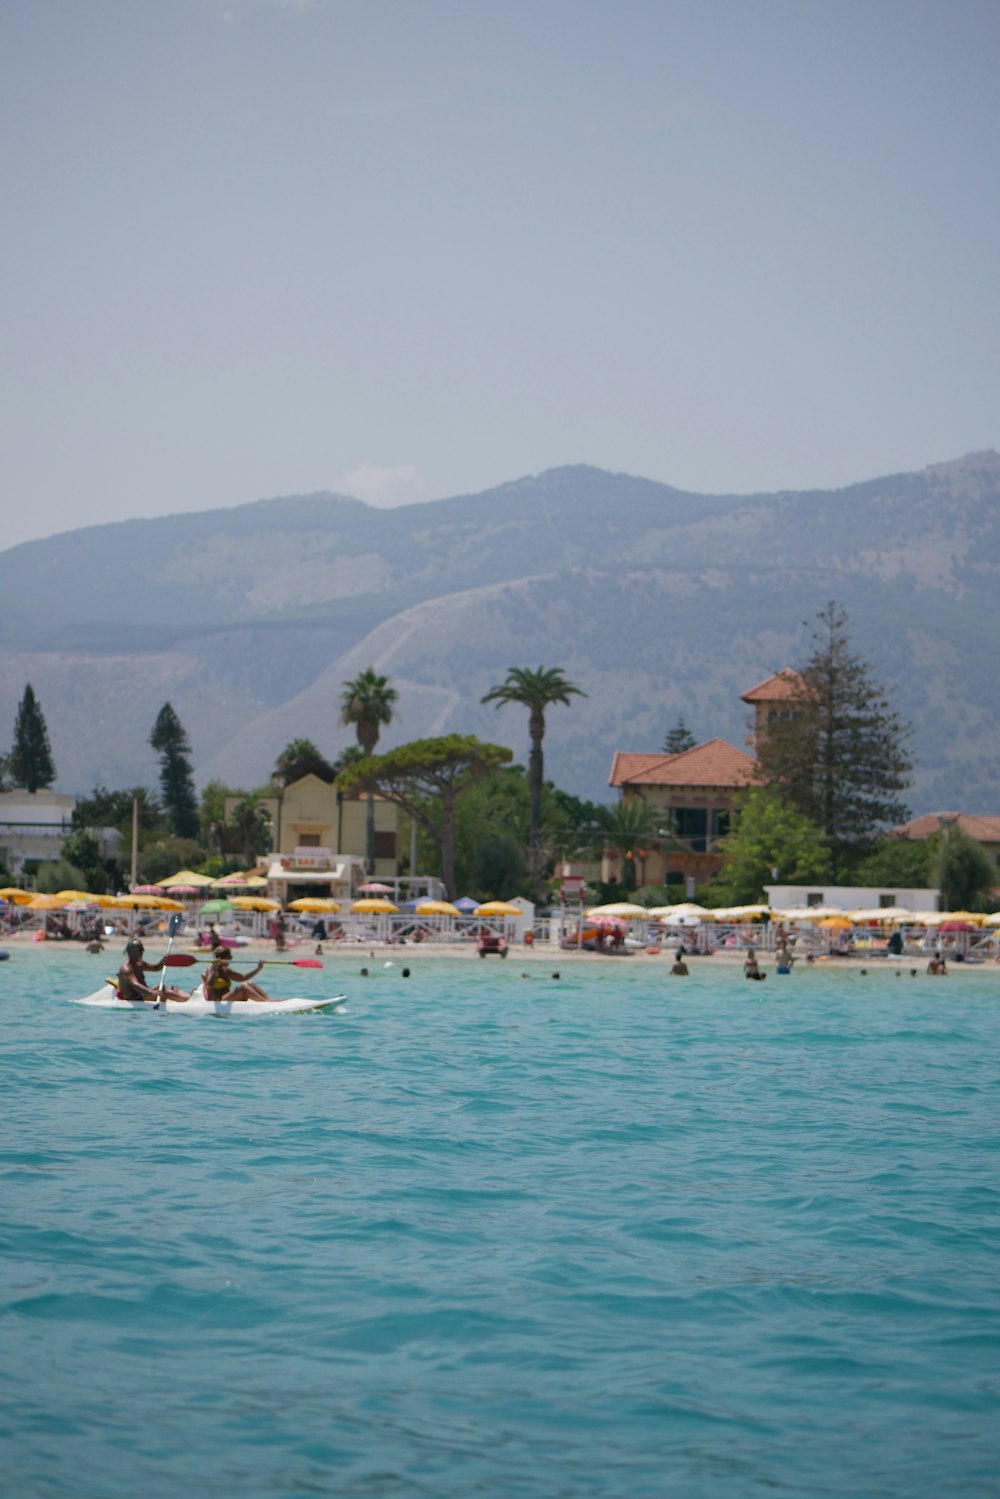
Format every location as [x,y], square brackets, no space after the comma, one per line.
[608,1234]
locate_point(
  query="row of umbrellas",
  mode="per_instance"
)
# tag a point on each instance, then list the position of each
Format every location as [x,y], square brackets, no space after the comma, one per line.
[827,916]
[147,899]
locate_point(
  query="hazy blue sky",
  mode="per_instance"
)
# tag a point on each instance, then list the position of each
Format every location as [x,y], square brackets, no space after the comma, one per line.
[261,247]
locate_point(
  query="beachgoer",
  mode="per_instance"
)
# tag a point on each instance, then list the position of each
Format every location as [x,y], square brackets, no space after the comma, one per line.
[131,983]
[751,968]
[222,982]
[894,946]
[680,969]
[783,960]
[937,965]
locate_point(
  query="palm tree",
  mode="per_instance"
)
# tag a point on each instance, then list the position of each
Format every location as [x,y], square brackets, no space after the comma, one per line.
[536,691]
[621,830]
[367,704]
[300,757]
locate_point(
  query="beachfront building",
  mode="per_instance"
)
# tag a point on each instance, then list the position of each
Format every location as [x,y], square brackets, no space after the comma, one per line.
[692,794]
[320,841]
[773,700]
[33,825]
[851,897]
[984,830]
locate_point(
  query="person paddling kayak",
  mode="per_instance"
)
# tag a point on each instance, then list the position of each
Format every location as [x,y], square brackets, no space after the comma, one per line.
[131,982]
[222,982]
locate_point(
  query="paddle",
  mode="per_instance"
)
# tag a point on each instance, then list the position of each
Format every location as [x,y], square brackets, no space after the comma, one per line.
[291,962]
[185,960]
[172,929]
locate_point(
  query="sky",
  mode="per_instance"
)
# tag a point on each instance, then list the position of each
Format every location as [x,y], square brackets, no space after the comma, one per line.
[405,249]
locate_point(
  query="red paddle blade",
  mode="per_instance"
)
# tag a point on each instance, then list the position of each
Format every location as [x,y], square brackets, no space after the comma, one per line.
[179,960]
[306,963]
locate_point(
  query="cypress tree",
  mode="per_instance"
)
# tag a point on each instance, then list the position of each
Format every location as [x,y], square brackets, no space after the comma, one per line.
[840,757]
[176,780]
[30,761]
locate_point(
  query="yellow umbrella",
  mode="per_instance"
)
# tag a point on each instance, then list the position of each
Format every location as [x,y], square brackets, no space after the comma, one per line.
[254,903]
[498,908]
[437,908]
[45,903]
[372,906]
[15,896]
[838,923]
[71,895]
[185,877]
[148,903]
[316,905]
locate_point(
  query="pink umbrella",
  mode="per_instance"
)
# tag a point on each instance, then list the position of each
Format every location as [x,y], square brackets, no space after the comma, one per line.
[147,890]
[956,926]
[374,889]
[184,890]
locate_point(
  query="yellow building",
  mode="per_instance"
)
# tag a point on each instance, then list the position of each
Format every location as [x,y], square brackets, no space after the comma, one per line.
[320,843]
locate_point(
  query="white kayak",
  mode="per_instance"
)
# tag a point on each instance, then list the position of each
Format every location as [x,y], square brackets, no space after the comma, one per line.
[198,1005]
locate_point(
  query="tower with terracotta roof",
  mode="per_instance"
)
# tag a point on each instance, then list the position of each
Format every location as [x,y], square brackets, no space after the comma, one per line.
[773,699]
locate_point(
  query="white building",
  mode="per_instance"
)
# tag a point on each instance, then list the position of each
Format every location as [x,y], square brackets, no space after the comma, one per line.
[33,825]
[850,897]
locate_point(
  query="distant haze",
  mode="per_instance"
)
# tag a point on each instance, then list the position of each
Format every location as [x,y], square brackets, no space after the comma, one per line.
[258,247]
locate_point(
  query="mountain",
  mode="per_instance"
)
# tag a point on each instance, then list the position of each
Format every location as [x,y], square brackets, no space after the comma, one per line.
[657,602]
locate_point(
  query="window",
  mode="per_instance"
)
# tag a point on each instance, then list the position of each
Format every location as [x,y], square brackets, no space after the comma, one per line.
[814,898]
[309,840]
[886,900]
[385,845]
[720,824]
[691,824]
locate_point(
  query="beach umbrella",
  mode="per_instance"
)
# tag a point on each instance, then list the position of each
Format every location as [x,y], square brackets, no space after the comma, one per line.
[148,890]
[686,914]
[374,888]
[602,918]
[15,896]
[316,905]
[44,903]
[254,903]
[938,918]
[437,908]
[956,926]
[68,896]
[215,907]
[623,909]
[498,908]
[993,920]
[374,907]
[465,904]
[187,880]
[836,923]
[147,903]
[741,913]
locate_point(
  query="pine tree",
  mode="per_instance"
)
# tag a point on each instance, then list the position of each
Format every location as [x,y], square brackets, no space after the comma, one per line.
[679,739]
[30,762]
[841,755]
[176,780]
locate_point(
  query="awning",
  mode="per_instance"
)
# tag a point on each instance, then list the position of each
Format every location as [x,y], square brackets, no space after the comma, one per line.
[338,875]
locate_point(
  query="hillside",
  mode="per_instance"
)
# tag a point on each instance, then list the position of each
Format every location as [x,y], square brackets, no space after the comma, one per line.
[657,602]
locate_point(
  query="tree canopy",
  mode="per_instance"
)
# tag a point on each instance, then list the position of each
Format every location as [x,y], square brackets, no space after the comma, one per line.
[963,871]
[840,757]
[767,835]
[426,777]
[30,762]
[176,780]
[301,757]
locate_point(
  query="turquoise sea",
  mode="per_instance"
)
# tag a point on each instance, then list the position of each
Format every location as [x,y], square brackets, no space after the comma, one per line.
[615,1234]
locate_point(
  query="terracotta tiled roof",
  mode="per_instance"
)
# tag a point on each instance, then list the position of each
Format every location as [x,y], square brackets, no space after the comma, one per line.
[983,829]
[715,763]
[775,688]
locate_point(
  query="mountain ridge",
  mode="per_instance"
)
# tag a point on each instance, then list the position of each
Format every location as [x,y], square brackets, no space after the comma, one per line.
[656,600]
